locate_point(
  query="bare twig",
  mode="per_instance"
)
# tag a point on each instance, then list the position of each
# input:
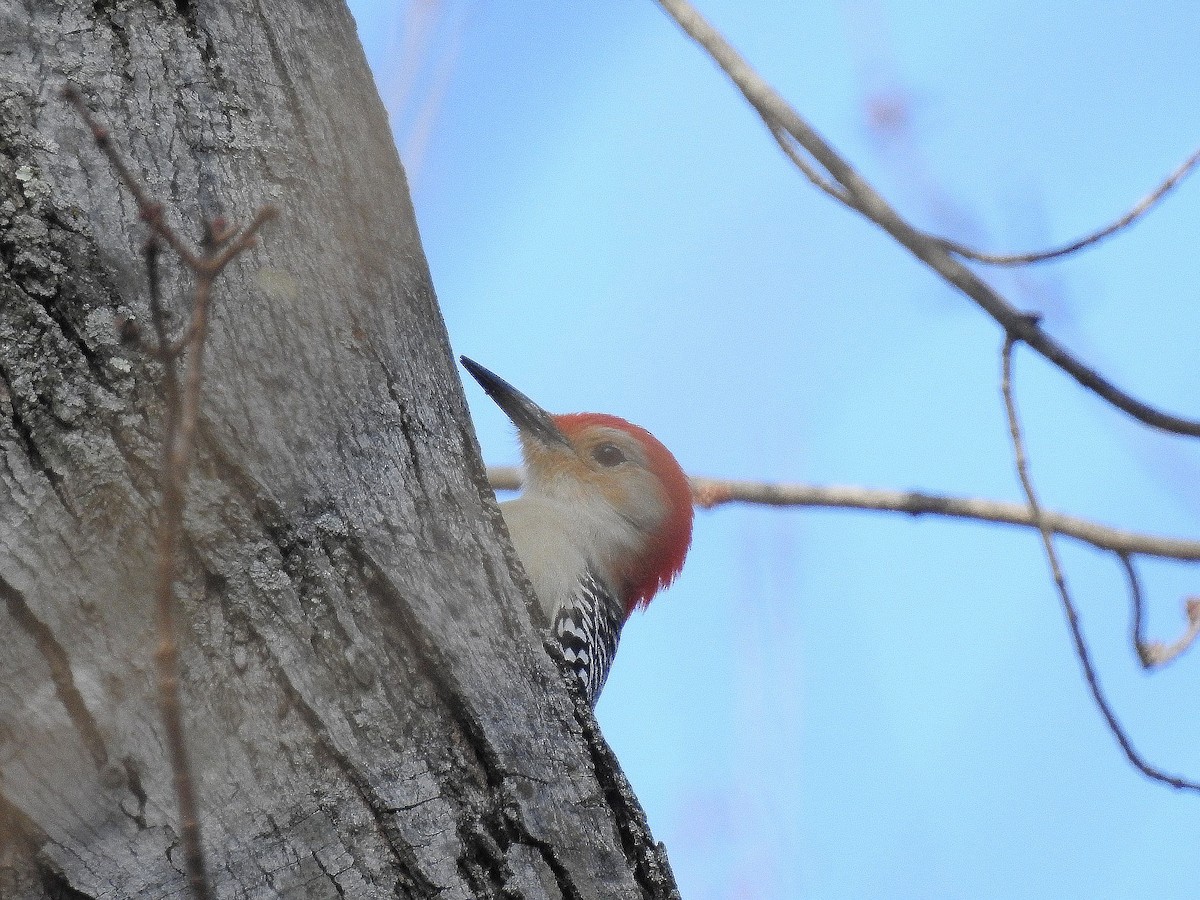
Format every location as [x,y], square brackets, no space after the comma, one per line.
[713,492]
[788,145]
[1142,207]
[148,209]
[1138,626]
[222,243]
[864,199]
[1155,654]
[1060,582]
[1158,654]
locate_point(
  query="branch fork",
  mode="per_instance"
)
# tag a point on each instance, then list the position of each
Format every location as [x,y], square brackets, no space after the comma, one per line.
[822,165]
[220,244]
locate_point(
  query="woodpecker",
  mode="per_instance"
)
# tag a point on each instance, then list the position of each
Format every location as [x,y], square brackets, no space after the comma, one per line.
[603,524]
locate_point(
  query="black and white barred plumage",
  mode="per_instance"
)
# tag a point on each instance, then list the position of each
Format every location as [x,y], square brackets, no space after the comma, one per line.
[588,627]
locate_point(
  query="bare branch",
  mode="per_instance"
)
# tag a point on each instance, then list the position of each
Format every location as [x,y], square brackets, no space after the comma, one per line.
[787,145]
[148,209]
[1139,609]
[222,243]
[1158,654]
[243,242]
[505,478]
[1060,582]
[1142,207]
[864,199]
[1155,654]
[713,492]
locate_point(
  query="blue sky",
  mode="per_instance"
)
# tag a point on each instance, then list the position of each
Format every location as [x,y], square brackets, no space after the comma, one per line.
[835,704]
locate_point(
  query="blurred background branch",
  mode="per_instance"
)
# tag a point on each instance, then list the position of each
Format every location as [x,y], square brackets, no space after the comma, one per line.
[1082,651]
[779,116]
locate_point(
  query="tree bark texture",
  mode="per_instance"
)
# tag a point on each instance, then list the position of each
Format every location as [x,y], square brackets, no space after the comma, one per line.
[369,708]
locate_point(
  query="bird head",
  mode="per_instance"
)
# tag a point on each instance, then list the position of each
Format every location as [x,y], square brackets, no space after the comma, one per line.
[611,471]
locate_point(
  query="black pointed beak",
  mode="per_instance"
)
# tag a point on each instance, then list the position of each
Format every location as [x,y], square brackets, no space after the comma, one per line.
[529,418]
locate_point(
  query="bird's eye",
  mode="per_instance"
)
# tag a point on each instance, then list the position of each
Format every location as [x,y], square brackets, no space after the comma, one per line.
[608,455]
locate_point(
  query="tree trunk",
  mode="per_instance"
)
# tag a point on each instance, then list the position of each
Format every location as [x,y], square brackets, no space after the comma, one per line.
[368,704]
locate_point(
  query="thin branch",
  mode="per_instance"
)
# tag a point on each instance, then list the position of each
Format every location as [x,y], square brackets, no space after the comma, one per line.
[152,250]
[1140,209]
[1138,625]
[240,243]
[713,492]
[222,243]
[1060,582]
[148,209]
[864,199]
[787,145]
[1155,654]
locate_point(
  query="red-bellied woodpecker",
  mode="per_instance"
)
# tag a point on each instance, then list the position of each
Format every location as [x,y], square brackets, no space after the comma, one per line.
[603,524]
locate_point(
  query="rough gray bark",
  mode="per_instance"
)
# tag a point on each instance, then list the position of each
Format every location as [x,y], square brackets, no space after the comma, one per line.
[369,708]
